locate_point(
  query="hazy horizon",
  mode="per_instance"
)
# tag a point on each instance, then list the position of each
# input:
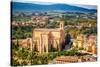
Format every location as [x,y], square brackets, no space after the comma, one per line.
[50,3]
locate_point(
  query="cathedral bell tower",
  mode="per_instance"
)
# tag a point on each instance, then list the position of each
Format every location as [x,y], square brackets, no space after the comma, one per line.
[62,36]
[61,25]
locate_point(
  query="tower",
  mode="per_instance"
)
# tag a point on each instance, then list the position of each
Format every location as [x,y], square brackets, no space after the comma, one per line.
[62,36]
[61,25]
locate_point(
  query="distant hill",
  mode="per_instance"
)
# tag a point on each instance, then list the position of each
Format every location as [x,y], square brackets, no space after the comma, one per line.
[18,6]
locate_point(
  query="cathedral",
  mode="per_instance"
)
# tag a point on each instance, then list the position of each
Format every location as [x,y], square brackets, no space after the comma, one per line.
[44,39]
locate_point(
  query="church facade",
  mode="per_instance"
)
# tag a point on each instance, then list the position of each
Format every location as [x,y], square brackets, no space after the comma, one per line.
[44,39]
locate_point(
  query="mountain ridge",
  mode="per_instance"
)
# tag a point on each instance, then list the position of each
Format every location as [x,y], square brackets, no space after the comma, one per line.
[18,6]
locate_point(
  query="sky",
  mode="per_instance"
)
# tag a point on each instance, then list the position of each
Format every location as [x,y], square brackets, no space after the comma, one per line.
[49,3]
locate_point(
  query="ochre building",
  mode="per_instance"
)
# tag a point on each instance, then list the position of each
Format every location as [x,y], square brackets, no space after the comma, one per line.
[44,39]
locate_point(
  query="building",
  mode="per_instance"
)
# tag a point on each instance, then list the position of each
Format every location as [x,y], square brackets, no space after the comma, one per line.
[79,41]
[44,39]
[65,59]
[89,44]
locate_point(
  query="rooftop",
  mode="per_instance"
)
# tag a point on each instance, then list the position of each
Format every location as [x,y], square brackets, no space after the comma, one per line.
[45,29]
